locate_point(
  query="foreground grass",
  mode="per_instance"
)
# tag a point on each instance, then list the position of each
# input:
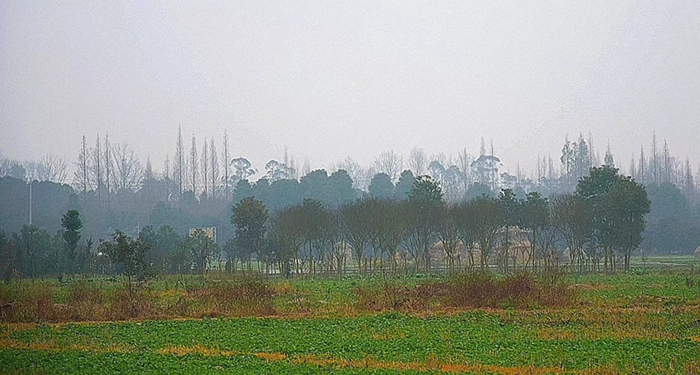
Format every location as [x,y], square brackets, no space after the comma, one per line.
[640,323]
[473,342]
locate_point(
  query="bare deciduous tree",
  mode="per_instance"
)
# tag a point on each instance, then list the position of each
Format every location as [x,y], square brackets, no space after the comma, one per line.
[80,178]
[109,167]
[148,173]
[96,168]
[226,160]
[418,161]
[289,236]
[572,217]
[387,229]
[194,163]
[448,233]
[179,165]
[205,168]
[486,221]
[166,168]
[390,163]
[354,170]
[214,168]
[464,161]
[354,220]
[128,169]
[48,168]
[6,166]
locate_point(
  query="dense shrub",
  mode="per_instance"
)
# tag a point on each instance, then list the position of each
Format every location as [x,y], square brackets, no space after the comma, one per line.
[90,301]
[247,297]
[474,290]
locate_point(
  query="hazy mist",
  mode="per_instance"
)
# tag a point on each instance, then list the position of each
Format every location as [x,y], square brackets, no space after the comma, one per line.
[338,79]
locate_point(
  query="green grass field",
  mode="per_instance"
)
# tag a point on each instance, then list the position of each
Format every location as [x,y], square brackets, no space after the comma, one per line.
[645,322]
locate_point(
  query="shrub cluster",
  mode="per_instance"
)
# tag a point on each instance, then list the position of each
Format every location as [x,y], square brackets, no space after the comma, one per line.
[245,298]
[88,301]
[476,290]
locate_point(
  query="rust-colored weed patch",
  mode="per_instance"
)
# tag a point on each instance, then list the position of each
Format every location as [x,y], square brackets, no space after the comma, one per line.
[271,356]
[430,365]
[54,346]
[196,349]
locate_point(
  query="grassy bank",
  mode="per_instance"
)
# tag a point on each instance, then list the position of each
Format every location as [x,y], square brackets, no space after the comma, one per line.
[643,322]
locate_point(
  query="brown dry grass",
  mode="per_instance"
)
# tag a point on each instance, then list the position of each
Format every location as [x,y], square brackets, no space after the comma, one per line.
[54,346]
[85,301]
[429,365]
[249,298]
[477,290]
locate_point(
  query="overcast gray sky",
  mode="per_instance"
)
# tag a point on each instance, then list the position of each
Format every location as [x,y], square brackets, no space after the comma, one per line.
[332,79]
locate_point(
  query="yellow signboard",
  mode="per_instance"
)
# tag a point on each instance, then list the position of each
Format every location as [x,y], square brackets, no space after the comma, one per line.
[209,231]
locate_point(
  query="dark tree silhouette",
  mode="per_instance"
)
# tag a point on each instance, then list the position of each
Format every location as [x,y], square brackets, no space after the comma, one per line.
[71,235]
[381,186]
[250,219]
[423,207]
[128,254]
[619,206]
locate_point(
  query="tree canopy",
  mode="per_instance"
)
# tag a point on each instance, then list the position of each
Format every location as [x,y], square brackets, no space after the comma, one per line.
[250,220]
[619,205]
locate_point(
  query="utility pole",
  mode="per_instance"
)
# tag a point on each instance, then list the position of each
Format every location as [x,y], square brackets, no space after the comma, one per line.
[31,232]
[30,203]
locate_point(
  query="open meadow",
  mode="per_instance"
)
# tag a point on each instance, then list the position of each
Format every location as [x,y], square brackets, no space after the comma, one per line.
[646,321]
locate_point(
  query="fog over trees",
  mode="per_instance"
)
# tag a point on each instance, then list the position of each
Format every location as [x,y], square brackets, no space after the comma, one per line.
[395,215]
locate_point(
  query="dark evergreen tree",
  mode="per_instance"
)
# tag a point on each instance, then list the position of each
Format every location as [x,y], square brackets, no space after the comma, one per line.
[381,186]
[71,235]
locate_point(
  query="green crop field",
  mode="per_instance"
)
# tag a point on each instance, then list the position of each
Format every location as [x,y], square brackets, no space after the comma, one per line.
[646,322]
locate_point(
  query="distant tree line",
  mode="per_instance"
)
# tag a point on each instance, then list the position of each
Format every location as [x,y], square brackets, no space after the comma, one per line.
[106,170]
[599,225]
[113,191]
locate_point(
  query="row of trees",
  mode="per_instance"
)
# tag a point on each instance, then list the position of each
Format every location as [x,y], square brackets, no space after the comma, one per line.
[33,252]
[662,167]
[107,169]
[153,199]
[602,220]
[208,170]
[48,168]
[673,224]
